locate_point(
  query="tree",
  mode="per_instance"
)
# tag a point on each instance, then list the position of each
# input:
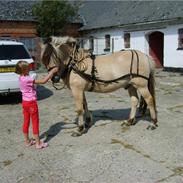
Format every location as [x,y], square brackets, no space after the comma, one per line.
[52,16]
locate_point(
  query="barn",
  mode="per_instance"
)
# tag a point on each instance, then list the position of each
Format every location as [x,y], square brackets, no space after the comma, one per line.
[154,27]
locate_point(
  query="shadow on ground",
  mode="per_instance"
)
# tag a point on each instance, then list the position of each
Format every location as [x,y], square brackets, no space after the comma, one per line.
[55,129]
[108,114]
[116,114]
[43,92]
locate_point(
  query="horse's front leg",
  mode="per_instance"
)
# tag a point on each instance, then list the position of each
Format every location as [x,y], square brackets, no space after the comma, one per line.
[78,98]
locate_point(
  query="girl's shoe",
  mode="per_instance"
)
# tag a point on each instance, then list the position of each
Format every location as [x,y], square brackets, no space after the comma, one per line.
[31,142]
[41,145]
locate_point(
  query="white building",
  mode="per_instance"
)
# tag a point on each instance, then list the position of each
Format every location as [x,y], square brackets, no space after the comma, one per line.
[155,28]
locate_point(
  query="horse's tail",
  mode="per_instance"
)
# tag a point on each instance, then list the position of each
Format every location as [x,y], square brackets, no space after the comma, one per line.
[151,87]
[142,106]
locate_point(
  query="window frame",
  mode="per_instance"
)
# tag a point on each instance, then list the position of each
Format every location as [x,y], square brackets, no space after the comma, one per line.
[91,43]
[127,38]
[180,39]
[107,42]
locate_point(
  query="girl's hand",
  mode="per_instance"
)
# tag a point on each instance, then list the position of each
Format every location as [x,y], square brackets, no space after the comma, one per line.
[49,76]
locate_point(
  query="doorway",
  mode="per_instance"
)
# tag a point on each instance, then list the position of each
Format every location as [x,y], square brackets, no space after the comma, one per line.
[156,47]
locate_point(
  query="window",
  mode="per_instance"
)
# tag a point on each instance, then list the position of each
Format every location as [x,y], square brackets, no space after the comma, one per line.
[180,39]
[127,40]
[81,43]
[107,42]
[9,52]
[91,43]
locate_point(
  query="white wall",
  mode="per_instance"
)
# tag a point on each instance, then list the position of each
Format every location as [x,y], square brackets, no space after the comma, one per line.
[172,56]
[137,40]
[99,40]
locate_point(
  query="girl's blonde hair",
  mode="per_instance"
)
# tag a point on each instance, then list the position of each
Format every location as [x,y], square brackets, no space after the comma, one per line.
[21,67]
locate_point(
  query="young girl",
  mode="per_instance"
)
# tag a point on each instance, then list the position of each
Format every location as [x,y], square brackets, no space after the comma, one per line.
[29,102]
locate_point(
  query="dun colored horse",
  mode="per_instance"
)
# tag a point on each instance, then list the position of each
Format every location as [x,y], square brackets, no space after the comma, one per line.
[81,71]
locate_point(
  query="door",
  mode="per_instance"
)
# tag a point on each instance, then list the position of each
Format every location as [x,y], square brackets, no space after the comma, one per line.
[156,46]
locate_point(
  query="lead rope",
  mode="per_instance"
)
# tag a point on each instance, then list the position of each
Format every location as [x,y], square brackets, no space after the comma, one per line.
[137,62]
[93,78]
[53,84]
[131,66]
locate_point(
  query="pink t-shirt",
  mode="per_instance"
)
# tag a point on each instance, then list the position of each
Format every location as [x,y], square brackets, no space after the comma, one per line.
[27,88]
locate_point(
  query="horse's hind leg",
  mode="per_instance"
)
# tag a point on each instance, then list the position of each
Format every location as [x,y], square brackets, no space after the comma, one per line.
[150,102]
[134,103]
[88,115]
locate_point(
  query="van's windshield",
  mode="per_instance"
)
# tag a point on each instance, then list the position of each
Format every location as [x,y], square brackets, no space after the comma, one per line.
[10,52]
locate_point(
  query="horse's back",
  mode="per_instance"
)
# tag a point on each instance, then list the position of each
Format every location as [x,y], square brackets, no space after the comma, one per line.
[123,62]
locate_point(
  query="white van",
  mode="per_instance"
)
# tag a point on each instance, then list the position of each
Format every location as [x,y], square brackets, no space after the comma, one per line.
[10,53]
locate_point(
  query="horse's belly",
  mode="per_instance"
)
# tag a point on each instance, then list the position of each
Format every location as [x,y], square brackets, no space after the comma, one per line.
[104,88]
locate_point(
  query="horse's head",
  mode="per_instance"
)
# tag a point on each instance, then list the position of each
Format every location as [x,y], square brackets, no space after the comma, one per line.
[56,52]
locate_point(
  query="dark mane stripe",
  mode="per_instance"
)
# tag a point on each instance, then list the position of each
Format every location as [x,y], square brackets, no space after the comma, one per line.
[47,54]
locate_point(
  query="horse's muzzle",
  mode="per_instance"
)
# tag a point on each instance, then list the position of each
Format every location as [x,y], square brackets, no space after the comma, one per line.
[55,79]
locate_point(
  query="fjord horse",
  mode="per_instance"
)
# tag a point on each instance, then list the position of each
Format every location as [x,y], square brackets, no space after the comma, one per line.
[80,71]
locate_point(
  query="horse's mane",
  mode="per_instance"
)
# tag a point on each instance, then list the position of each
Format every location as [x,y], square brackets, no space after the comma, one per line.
[54,42]
[47,54]
[62,40]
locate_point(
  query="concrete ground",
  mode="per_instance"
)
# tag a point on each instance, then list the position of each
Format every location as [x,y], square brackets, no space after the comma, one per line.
[108,153]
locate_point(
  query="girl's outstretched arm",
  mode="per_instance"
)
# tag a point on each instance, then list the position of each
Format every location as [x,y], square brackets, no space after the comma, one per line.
[49,76]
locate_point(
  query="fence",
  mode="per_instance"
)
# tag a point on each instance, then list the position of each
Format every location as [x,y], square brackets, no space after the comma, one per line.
[100,45]
[32,44]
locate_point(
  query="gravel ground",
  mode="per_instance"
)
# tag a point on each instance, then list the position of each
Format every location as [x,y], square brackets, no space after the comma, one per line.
[107,153]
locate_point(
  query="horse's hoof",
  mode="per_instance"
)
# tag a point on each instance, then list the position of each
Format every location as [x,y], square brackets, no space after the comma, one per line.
[124,123]
[79,133]
[128,122]
[152,127]
[85,130]
[76,134]
[80,128]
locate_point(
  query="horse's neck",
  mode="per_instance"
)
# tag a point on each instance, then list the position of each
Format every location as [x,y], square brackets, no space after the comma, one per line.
[81,54]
